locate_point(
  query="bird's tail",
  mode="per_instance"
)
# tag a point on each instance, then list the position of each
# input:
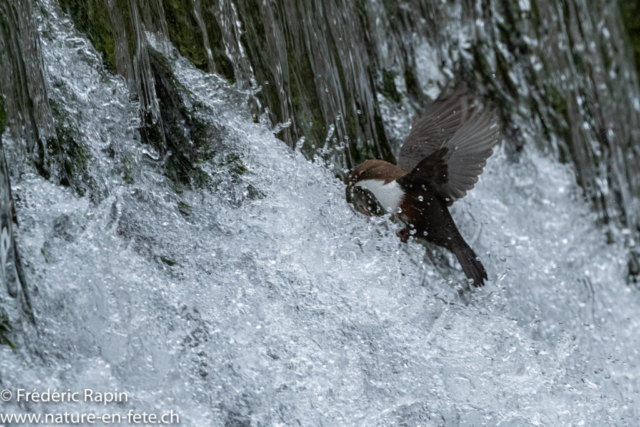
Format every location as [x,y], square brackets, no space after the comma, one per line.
[471,266]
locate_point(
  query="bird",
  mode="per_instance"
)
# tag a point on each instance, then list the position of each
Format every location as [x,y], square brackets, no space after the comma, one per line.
[439,162]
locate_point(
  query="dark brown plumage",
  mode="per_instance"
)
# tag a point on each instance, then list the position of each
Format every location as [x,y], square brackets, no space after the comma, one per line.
[439,162]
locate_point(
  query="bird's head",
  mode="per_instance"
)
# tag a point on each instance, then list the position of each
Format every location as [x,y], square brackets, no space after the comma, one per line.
[362,199]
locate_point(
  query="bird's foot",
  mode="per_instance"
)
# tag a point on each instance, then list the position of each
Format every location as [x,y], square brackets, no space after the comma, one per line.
[404,235]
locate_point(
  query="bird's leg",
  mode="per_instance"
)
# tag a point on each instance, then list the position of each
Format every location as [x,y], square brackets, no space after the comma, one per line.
[404,234]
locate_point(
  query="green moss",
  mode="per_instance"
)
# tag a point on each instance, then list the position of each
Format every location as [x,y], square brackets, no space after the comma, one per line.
[184,209]
[66,145]
[179,129]
[185,33]
[66,158]
[558,102]
[127,167]
[92,18]
[168,261]
[413,87]
[388,88]
[630,12]
[5,331]
[233,163]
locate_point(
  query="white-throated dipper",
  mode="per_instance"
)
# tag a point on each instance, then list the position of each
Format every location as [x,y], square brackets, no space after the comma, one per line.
[439,162]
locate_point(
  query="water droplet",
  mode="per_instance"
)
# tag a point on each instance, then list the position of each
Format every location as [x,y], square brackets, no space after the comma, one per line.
[420,198]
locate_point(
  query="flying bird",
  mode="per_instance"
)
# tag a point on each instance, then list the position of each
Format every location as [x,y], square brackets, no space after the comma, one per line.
[439,162]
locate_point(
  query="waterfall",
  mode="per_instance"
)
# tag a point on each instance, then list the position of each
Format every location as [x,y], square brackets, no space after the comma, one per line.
[174,225]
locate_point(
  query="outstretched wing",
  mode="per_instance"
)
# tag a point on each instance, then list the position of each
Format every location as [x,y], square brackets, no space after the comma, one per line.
[470,148]
[437,125]
[468,135]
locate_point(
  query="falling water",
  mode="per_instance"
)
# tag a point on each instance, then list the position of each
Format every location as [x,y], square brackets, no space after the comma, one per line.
[253,294]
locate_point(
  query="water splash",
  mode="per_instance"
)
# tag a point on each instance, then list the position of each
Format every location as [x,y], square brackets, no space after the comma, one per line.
[264,299]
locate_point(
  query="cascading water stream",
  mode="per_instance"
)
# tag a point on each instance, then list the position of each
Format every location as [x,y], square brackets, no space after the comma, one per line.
[259,297]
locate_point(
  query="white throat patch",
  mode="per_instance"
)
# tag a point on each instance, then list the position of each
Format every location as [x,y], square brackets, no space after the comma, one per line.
[388,195]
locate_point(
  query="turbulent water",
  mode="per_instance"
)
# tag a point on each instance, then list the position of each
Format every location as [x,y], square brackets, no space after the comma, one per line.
[266,300]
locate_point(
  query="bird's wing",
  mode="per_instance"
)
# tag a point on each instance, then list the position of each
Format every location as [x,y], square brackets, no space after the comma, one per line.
[437,125]
[431,171]
[469,150]
[469,135]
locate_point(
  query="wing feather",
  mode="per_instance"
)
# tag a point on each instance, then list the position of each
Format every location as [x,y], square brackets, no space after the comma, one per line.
[437,125]
[471,146]
[468,134]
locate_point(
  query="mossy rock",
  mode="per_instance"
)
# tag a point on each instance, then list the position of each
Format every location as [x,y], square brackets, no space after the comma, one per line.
[180,128]
[389,89]
[233,163]
[91,17]
[64,158]
[185,33]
